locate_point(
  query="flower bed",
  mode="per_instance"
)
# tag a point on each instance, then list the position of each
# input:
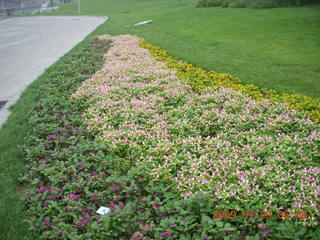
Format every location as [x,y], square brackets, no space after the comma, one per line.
[202,141]
[162,157]
[200,78]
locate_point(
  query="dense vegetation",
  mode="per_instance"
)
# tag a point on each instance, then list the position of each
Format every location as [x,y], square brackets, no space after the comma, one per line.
[255,3]
[137,139]
[49,91]
[199,78]
[77,162]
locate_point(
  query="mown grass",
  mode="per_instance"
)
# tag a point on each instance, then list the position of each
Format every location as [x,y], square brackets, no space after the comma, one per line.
[11,168]
[272,48]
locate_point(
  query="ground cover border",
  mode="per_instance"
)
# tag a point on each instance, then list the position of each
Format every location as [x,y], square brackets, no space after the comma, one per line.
[14,224]
[199,78]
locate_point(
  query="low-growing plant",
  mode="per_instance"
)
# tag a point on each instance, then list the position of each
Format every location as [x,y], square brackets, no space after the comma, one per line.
[254,3]
[199,78]
[238,4]
[194,140]
[213,3]
[125,138]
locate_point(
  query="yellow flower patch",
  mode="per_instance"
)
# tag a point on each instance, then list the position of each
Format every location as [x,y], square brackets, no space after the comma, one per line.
[199,78]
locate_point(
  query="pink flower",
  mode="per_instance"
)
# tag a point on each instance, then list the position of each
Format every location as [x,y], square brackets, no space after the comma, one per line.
[137,235]
[46,221]
[73,196]
[262,226]
[117,197]
[94,198]
[50,139]
[112,207]
[166,234]
[82,165]
[82,222]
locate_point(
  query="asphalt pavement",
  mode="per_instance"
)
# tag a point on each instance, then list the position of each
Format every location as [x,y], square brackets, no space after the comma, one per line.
[29,45]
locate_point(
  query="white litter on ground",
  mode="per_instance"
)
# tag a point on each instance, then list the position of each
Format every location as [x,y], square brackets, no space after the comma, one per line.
[103,210]
[144,22]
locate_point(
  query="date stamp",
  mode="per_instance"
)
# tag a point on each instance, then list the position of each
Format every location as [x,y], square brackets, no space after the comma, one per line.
[251,214]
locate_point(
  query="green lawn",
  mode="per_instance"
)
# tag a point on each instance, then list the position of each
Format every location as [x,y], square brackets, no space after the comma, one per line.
[272,48]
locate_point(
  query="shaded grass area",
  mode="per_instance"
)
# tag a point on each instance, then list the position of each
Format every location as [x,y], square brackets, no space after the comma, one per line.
[12,135]
[272,48]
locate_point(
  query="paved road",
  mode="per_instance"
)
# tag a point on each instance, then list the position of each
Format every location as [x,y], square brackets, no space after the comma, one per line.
[29,45]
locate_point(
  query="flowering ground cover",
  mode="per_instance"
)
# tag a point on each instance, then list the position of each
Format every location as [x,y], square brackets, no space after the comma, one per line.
[200,78]
[136,138]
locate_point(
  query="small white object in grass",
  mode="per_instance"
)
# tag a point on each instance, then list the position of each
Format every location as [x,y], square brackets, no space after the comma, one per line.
[144,22]
[103,210]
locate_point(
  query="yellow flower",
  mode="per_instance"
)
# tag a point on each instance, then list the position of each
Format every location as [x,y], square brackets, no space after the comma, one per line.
[199,78]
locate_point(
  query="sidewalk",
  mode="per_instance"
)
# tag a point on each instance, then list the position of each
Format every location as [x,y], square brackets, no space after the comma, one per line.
[29,45]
